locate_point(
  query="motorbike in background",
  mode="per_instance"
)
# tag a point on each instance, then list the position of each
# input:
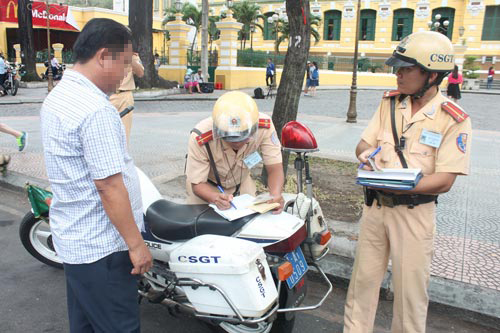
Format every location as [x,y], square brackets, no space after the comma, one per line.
[57,72]
[11,84]
[246,275]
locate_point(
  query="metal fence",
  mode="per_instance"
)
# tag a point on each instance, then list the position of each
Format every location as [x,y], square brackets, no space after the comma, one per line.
[249,58]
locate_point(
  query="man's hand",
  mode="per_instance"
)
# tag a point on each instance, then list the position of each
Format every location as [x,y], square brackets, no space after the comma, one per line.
[279,199]
[141,259]
[363,158]
[223,201]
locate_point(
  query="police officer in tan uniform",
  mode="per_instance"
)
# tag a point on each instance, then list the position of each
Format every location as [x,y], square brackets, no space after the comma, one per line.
[429,132]
[123,97]
[224,148]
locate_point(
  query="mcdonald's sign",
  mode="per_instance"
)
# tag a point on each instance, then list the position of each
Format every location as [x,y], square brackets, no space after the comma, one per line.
[8,10]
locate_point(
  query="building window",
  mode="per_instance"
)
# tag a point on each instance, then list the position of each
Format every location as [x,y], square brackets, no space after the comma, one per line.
[269,33]
[491,25]
[165,6]
[402,24]
[447,14]
[156,5]
[367,24]
[333,19]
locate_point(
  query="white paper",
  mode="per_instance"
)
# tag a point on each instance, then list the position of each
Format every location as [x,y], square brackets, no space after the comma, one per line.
[390,174]
[241,202]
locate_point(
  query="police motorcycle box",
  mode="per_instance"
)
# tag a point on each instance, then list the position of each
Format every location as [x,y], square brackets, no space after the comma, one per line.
[234,266]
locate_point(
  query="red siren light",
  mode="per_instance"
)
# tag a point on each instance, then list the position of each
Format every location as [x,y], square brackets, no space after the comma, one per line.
[298,137]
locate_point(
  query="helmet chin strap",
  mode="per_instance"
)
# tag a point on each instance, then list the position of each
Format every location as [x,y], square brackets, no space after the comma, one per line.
[424,89]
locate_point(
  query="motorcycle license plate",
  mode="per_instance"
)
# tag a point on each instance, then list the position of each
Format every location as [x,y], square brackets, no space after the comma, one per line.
[296,258]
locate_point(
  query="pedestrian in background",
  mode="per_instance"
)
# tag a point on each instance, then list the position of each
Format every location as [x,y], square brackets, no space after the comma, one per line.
[189,82]
[491,73]
[3,75]
[308,78]
[454,81]
[123,98]
[270,72]
[415,127]
[21,136]
[314,78]
[96,212]
[157,62]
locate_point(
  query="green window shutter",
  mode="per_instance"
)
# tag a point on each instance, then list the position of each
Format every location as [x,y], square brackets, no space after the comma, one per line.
[447,13]
[402,24]
[367,21]
[331,29]
[491,25]
[337,25]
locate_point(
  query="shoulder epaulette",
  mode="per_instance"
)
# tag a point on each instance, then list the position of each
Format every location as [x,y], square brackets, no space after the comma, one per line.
[455,111]
[391,93]
[204,138]
[264,123]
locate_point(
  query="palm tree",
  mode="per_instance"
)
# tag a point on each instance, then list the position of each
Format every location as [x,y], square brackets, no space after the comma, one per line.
[284,31]
[213,32]
[248,14]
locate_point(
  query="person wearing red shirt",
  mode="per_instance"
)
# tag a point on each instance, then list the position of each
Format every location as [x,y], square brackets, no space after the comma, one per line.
[491,72]
[454,81]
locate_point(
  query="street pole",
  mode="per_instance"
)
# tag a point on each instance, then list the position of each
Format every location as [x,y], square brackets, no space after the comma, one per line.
[204,39]
[50,74]
[351,113]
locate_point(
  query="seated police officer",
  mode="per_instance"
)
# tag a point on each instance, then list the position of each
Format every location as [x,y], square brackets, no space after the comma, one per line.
[416,127]
[224,148]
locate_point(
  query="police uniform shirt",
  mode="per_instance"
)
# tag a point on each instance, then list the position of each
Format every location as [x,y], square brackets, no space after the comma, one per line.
[451,156]
[128,81]
[230,164]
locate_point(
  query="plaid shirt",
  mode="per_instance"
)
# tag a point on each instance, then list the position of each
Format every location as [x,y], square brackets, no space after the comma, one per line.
[84,140]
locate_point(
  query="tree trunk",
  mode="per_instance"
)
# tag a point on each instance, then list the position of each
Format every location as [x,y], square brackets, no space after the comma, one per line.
[204,39]
[25,35]
[292,78]
[140,21]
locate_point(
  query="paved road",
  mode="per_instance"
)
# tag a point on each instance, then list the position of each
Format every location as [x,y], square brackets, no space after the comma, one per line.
[34,298]
[333,103]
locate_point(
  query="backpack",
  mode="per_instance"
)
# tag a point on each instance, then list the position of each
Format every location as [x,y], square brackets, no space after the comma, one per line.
[315,74]
[207,87]
[258,93]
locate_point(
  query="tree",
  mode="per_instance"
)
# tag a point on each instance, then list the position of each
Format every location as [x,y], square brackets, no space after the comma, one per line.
[284,31]
[248,14]
[192,16]
[292,78]
[140,20]
[25,35]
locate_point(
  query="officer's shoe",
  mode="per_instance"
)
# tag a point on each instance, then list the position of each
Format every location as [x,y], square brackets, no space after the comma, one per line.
[22,141]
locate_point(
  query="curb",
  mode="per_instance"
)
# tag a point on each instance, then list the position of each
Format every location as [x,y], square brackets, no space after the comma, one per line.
[339,264]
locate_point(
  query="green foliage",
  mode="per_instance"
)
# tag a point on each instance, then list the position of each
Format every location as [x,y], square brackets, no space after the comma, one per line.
[367,65]
[470,68]
[284,31]
[248,14]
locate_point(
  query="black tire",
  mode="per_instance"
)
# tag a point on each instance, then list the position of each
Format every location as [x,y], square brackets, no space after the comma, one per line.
[13,90]
[27,224]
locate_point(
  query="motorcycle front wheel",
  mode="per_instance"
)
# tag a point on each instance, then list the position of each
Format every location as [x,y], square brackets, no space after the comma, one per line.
[37,240]
[14,87]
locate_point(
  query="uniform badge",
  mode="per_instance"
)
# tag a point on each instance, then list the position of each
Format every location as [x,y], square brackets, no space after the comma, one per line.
[234,122]
[274,139]
[462,142]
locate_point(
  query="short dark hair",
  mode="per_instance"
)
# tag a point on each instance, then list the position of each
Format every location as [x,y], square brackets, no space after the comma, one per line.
[100,33]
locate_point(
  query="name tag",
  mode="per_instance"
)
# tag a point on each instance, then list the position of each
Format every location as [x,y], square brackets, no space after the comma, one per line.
[429,138]
[252,160]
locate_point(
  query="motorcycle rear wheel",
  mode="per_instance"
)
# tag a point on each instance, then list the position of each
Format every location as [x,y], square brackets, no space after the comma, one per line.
[14,87]
[37,240]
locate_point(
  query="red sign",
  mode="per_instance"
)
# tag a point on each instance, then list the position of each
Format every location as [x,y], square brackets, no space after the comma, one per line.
[60,17]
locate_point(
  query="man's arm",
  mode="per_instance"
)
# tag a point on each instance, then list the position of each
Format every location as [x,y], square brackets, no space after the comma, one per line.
[137,67]
[206,192]
[116,203]
[275,181]
[437,183]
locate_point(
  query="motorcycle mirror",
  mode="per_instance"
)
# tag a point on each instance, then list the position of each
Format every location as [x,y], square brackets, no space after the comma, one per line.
[297,137]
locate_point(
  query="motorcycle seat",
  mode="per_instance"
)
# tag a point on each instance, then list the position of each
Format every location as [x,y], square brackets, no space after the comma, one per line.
[170,221]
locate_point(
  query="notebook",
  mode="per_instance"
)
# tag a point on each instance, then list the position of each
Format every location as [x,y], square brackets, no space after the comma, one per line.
[246,205]
[396,179]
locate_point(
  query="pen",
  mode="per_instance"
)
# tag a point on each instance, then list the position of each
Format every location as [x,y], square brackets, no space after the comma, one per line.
[375,152]
[222,191]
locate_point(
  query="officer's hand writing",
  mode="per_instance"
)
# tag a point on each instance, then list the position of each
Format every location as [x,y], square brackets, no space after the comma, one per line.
[141,259]
[363,158]
[279,199]
[223,201]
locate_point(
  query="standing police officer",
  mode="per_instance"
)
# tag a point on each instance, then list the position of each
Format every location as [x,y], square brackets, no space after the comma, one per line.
[416,127]
[224,148]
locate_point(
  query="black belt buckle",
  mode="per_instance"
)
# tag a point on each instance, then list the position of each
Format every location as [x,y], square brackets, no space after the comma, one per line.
[386,201]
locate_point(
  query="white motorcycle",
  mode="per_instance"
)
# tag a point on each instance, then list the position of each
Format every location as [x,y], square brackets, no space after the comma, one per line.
[245,275]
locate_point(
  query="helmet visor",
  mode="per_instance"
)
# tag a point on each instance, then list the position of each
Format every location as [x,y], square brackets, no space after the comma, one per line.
[398,60]
[233,128]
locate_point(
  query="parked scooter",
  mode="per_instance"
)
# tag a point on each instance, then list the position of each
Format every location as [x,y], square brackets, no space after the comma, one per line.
[11,84]
[245,275]
[57,72]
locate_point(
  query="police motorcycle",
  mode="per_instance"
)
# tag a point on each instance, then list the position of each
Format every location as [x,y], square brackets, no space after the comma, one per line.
[11,84]
[245,275]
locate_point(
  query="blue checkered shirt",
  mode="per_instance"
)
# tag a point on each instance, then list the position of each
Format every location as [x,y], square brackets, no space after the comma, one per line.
[84,140]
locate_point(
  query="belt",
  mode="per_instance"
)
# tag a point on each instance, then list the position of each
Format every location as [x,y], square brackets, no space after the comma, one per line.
[412,200]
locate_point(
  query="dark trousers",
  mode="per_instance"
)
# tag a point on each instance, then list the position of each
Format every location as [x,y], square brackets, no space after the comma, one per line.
[102,296]
[269,76]
[3,77]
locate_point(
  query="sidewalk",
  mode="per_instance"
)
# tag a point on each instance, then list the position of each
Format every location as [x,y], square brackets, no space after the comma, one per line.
[466,266]
[38,94]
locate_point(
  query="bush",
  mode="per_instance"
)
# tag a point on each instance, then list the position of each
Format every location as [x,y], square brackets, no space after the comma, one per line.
[470,68]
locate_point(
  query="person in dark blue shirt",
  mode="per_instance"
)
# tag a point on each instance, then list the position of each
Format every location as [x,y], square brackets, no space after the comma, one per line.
[270,71]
